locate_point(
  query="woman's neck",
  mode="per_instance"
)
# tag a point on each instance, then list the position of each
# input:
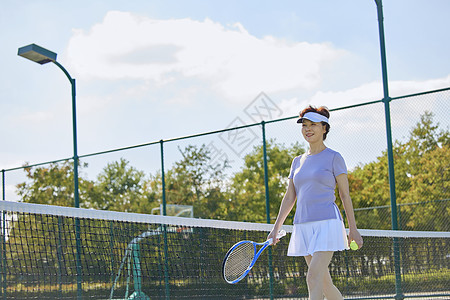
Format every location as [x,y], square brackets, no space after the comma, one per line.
[316,148]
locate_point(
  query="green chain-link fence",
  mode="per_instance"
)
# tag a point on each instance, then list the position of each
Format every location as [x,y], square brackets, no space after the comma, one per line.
[226,174]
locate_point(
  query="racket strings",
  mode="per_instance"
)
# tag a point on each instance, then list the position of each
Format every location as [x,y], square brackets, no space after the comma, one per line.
[238,261]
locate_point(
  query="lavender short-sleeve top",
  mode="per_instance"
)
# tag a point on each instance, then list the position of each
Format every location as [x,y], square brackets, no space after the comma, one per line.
[315,182]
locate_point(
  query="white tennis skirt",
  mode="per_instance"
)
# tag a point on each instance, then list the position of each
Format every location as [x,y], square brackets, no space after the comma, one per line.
[308,238]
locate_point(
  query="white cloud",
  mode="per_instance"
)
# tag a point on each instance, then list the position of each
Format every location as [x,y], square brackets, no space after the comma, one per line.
[365,93]
[10,193]
[400,88]
[228,59]
[36,117]
[360,132]
[370,120]
[10,161]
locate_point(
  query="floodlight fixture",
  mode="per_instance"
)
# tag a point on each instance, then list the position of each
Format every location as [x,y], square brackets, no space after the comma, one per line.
[37,54]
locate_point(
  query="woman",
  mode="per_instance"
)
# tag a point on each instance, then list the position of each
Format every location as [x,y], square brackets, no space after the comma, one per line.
[318,226]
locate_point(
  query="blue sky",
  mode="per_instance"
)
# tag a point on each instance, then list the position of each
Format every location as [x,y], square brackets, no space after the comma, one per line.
[150,70]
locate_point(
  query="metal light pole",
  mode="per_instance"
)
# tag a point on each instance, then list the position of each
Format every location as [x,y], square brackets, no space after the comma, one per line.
[42,56]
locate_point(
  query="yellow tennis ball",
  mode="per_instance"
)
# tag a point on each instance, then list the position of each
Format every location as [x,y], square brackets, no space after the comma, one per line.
[354,245]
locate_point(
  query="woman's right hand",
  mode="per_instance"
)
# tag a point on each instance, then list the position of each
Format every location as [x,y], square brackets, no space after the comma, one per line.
[273,235]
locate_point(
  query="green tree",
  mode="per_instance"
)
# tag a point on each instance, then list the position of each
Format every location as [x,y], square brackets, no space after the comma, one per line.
[430,185]
[421,176]
[120,187]
[423,169]
[248,198]
[195,181]
[54,185]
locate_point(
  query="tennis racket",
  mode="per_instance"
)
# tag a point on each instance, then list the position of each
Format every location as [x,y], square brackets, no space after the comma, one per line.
[241,258]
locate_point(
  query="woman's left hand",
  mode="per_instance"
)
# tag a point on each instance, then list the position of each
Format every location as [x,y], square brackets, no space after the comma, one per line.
[354,235]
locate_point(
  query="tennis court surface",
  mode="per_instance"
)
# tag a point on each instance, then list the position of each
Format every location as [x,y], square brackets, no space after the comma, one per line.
[51,252]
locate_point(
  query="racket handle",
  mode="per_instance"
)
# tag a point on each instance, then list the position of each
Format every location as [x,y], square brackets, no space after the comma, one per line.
[280,234]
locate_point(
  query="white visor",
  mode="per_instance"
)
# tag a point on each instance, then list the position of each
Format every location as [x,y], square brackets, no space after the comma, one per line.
[313,117]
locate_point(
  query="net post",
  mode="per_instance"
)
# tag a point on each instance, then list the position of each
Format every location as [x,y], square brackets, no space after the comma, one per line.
[166,263]
[78,260]
[266,187]
[111,248]
[137,273]
[59,252]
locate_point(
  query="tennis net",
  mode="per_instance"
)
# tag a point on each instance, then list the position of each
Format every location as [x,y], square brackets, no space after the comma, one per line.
[51,252]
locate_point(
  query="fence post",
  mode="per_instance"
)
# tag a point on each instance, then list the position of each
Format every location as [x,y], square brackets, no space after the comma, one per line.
[3,247]
[387,100]
[266,187]
[163,181]
[166,250]
[3,185]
